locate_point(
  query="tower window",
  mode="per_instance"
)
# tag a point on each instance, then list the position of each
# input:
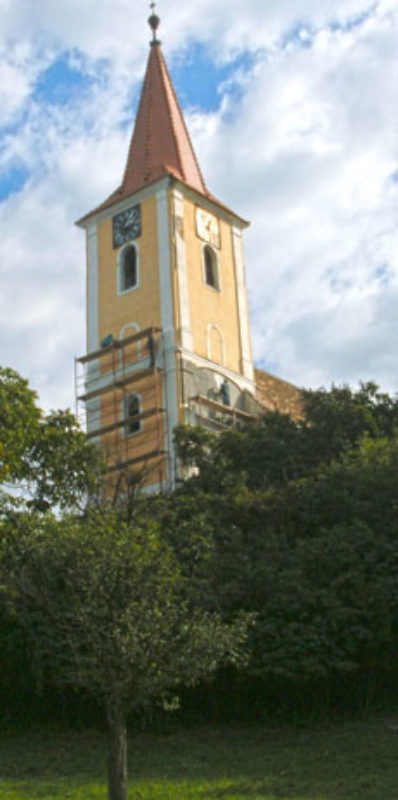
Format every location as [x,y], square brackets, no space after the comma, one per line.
[211,268]
[131,410]
[215,344]
[128,273]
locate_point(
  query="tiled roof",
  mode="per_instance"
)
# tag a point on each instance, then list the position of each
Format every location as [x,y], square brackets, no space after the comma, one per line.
[160,144]
[276,394]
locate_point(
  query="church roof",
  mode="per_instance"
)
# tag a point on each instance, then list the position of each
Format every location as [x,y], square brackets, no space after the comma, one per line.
[160,144]
[275,394]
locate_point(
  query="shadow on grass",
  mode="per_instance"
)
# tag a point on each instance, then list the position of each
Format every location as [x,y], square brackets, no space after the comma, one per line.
[325,762]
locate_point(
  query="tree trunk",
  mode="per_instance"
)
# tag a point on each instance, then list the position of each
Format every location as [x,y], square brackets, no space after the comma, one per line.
[117,756]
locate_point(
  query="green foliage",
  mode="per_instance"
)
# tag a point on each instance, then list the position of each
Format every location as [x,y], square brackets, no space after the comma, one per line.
[104,607]
[64,468]
[259,456]
[360,486]
[338,419]
[278,449]
[302,529]
[19,423]
[294,522]
[45,458]
[193,445]
[333,607]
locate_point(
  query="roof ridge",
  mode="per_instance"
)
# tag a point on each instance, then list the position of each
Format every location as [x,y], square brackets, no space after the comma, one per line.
[164,68]
[172,87]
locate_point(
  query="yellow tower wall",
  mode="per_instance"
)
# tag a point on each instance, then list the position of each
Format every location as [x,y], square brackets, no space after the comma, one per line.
[211,311]
[126,313]
[140,305]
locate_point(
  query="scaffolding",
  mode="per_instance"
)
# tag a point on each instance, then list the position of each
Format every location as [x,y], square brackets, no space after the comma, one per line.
[121,402]
[105,379]
[216,416]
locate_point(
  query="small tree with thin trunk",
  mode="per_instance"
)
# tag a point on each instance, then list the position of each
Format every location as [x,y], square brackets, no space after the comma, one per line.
[104,607]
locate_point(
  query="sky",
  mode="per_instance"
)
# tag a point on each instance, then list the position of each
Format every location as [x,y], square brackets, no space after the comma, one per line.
[292,109]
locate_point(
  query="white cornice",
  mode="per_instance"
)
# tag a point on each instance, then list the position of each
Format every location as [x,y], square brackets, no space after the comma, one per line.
[169,181]
[137,197]
[213,205]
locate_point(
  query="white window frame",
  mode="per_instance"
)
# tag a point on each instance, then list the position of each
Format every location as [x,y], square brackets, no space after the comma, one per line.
[120,258]
[207,246]
[128,435]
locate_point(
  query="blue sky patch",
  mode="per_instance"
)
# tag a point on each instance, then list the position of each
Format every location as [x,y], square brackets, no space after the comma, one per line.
[383,274]
[13,181]
[355,21]
[197,80]
[300,35]
[60,82]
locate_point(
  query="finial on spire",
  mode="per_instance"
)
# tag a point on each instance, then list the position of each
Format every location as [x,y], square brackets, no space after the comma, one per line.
[154,22]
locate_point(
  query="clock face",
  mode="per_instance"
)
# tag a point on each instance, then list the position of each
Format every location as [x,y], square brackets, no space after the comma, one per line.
[126,226]
[208,227]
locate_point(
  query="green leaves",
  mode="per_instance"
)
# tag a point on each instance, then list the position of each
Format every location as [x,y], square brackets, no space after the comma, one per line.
[104,607]
[19,423]
[47,457]
[64,467]
[278,449]
[302,520]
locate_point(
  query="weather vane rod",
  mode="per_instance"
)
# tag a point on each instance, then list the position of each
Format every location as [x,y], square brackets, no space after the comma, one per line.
[154,22]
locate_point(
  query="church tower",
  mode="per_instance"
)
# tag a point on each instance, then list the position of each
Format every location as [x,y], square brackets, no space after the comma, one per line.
[168,332]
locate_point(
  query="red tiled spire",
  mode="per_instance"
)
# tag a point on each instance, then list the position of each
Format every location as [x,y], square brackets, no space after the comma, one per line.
[160,144]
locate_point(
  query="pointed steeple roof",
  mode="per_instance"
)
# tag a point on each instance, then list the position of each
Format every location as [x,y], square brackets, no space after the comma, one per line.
[160,144]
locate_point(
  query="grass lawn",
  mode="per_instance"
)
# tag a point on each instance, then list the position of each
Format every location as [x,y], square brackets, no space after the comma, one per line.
[345,761]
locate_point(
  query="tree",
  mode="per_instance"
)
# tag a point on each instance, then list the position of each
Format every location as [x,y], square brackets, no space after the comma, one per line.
[337,419]
[20,418]
[44,458]
[268,453]
[64,468]
[301,520]
[333,608]
[104,607]
[278,449]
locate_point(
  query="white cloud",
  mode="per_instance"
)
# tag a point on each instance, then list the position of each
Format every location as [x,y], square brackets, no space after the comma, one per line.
[19,68]
[310,156]
[305,149]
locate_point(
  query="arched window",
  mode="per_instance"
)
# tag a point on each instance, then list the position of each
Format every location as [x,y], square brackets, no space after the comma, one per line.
[211,268]
[128,272]
[131,410]
[215,344]
[129,353]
